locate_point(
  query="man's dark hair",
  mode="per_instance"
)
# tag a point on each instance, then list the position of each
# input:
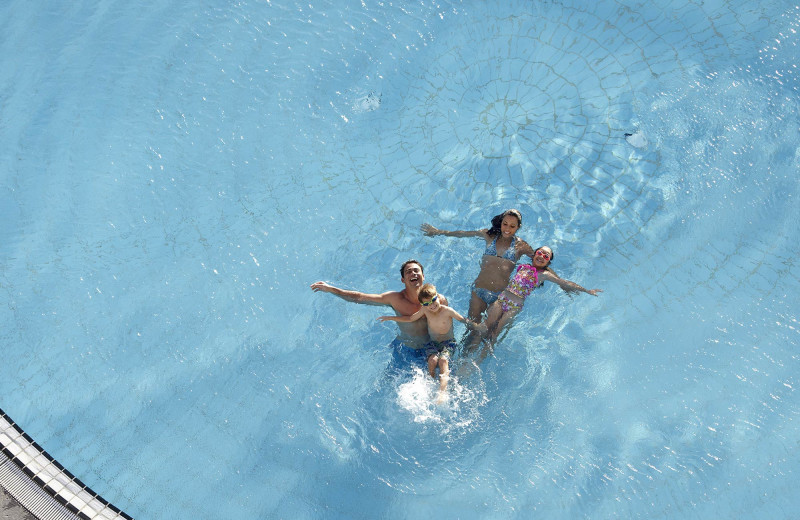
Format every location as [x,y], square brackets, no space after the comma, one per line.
[403,267]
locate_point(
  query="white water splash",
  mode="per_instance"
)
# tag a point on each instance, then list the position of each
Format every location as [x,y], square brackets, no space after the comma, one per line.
[458,409]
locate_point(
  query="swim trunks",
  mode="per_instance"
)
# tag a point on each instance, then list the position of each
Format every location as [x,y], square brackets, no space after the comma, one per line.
[510,254]
[444,348]
[403,355]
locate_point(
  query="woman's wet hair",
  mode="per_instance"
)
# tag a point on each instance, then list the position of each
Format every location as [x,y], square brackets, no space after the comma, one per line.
[497,221]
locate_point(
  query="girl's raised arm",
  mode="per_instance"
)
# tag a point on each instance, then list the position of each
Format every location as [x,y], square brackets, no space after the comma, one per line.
[567,285]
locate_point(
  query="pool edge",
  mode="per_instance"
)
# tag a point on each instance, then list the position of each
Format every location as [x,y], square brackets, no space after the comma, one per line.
[43,486]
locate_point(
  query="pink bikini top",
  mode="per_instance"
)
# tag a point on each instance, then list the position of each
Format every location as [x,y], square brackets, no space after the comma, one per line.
[525,281]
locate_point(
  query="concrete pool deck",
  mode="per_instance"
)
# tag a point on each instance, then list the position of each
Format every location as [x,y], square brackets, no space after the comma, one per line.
[11,509]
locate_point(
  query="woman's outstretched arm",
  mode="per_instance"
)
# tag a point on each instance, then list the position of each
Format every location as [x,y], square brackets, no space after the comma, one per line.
[432,232]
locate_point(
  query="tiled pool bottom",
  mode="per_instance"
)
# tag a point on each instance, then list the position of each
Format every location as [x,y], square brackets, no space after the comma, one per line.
[41,485]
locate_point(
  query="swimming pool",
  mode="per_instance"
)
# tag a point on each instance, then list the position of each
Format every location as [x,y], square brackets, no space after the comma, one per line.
[176,175]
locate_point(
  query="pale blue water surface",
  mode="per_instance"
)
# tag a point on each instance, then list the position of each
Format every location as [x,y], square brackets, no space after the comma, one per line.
[174,176]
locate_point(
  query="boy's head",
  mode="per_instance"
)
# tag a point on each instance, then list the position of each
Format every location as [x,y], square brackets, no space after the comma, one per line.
[428,297]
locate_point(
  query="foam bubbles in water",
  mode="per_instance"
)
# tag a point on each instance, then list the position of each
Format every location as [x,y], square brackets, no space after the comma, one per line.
[637,139]
[367,103]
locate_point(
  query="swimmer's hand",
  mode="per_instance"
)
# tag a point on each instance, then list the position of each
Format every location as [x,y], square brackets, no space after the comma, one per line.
[321,286]
[474,325]
[594,292]
[386,318]
[429,230]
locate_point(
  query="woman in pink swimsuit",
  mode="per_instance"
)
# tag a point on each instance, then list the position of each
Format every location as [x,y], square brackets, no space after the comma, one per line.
[527,278]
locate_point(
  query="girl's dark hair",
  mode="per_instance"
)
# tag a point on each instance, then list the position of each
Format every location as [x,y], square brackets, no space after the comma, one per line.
[497,221]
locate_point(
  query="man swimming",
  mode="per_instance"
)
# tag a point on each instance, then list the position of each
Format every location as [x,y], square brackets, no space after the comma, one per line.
[404,302]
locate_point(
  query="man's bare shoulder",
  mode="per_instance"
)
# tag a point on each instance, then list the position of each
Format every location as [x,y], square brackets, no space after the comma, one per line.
[400,302]
[393,296]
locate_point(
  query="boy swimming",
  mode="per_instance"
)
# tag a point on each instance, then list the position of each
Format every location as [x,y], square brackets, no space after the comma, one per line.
[442,344]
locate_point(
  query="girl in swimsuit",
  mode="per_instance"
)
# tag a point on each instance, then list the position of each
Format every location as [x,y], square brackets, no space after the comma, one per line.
[503,251]
[527,278]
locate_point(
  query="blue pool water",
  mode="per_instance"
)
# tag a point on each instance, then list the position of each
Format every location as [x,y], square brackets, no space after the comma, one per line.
[176,174]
